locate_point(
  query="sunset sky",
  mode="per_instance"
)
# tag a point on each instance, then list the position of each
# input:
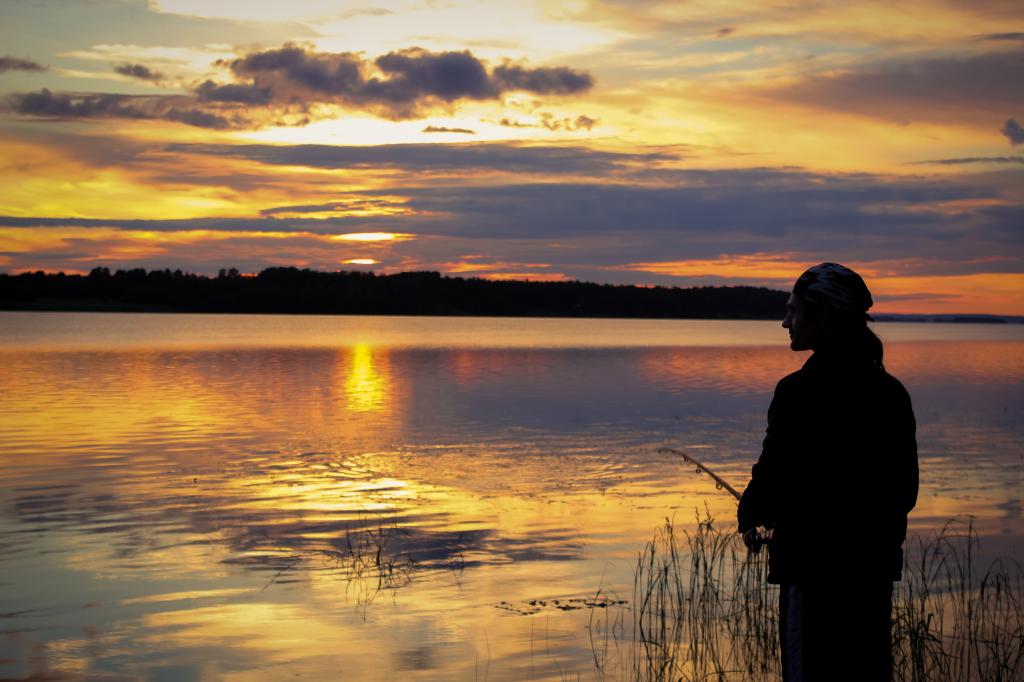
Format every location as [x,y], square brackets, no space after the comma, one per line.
[674,143]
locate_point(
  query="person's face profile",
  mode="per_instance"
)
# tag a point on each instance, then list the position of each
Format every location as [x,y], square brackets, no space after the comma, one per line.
[804,328]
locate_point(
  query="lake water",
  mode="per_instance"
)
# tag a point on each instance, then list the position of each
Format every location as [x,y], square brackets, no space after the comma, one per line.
[188,497]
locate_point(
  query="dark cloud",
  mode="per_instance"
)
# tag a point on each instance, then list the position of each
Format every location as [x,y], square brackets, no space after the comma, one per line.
[443,129]
[1002,36]
[197,118]
[15,64]
[139,71]
[543,81]
[738,207]
[551,122]
[58,105]
[973,159]
[284,69]
[178,165]
[465,157]
[62,106]
[351,203]
[415,74]
[398,84]
[208,91]
[1013,131]
[723,32]
[966,89]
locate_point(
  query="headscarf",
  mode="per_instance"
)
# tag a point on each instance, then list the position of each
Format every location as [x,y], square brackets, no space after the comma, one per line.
[836,286]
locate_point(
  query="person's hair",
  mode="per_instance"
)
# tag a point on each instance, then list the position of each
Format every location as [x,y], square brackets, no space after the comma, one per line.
[848,331]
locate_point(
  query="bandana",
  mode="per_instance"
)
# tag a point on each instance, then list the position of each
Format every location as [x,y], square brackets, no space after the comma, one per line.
[836,286]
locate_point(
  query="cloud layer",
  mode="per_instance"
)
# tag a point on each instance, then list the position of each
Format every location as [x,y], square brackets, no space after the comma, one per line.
[432,157]
[283,85]
[63,106]
[638,218]
[15,64]
[959,88]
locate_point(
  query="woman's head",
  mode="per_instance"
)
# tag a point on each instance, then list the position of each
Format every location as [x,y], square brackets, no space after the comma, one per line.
[835,286]
[828,308]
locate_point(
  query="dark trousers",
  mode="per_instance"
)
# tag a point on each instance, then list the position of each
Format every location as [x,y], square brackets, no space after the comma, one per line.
[837,632]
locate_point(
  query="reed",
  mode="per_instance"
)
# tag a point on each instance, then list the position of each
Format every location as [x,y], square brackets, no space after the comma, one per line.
[954,618]
[702,608]
[373,550]
[370,559]
[704,611]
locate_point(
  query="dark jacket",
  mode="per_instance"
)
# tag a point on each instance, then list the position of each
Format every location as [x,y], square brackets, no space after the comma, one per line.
[837,474]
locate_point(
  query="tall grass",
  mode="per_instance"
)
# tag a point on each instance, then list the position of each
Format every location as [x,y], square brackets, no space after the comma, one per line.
[953,619]
[704,611]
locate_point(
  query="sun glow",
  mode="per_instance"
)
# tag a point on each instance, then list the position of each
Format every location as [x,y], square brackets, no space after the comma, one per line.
[371,236]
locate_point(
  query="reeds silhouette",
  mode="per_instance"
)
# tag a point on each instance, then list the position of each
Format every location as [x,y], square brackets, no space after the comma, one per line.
[953,619]
[704,611]
[702,608]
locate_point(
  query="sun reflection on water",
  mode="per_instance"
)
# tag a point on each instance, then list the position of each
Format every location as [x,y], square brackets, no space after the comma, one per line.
[365,388]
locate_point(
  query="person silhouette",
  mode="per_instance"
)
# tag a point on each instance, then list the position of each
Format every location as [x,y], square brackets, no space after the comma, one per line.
[835,481]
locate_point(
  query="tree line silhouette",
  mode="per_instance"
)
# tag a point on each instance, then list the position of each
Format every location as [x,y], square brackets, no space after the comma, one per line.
[293,290]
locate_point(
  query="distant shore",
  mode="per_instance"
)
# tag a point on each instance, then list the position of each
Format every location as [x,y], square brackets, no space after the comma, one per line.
[965,318]
[295,291]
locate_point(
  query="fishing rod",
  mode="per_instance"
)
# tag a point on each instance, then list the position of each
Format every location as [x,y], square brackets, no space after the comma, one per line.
[753,538]
[701,469]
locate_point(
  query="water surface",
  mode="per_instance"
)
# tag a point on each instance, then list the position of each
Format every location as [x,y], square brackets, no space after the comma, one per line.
[259,497]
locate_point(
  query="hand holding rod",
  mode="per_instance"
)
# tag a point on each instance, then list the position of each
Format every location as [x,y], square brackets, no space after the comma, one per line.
[753,538]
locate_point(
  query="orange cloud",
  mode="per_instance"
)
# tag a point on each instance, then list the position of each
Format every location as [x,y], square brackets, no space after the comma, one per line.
[464,267]
[525,276]
[78,249]
[758,266]
[28,239]
[899,286]
[1001,293]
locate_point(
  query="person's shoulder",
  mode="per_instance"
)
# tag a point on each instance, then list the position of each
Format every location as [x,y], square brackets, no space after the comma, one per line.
[894,386]
[792,381]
